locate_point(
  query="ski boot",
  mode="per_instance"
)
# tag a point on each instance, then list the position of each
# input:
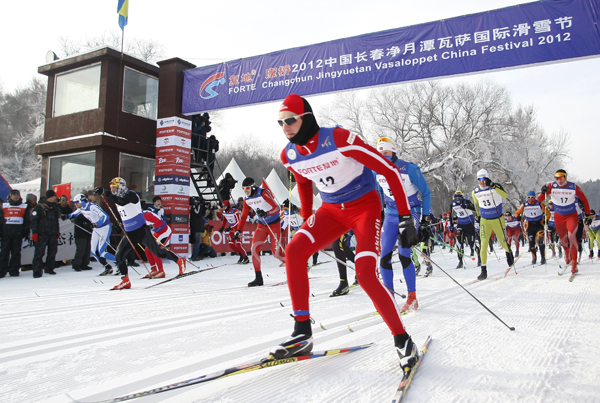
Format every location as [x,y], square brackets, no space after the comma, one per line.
[107,270]
[483,274]
[124,284]
[429,269]
[510,259]
[411,303]
[258,280]
[543,260]
[245,260]
[534,258]
[153,271]
[299,343]
[460,265]
[591,254]
[159,274]
[342,289]
[599,253]
[472,253]
[560,252]
[417,269]
[181,264]
[240,260]
[407,350]
[356,281]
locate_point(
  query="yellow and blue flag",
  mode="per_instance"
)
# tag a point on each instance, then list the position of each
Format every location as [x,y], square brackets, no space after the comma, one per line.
[123,11]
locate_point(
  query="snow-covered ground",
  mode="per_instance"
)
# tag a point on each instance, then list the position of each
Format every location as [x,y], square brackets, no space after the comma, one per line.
[69,334]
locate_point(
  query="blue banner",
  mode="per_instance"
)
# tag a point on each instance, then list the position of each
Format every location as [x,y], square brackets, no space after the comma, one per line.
[532,33]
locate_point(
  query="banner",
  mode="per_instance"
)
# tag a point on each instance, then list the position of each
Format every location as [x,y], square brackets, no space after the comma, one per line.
[64,189]
[66,245]
[532,33]
[172,177]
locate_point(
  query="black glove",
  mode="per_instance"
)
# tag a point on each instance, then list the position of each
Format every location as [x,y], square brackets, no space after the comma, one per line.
[99,190]
[221,229]
[107,192]
[237,235]
[488,181]
[478,219]
[544,189]
[424,232]
[407,233]
[261,213]
[63,217]
[589,218]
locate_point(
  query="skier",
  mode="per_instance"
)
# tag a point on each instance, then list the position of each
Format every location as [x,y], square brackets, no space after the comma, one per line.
[263,203]
[552,237]
[513,229]
[593,223]
[14,226]
[161,233]
[488,203]
[534,214]
[130,209]
[231,218]
[564,195]
[414,183]
[101,233]
[339,163]
[343,251]
[465,228]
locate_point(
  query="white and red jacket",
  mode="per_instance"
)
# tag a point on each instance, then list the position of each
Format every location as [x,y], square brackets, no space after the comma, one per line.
[160,229]
[264,200]
[338,162]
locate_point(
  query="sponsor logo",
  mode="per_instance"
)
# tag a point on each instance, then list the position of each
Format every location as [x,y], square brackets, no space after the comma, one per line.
[311,221]
[207,89]
[351,138]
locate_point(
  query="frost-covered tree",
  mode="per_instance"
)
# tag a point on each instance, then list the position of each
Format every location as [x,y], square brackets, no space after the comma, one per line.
[22,114]
[451,131]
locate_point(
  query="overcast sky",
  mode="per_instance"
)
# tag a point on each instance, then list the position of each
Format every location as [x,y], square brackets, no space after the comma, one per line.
[566,95]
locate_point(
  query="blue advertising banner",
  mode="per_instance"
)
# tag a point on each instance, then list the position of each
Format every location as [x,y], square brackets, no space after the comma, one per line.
[532,33]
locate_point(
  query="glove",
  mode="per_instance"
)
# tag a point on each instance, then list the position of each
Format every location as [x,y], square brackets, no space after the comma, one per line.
[589,218]
[261,213]
[58,236]
[99,190]
[407,234]
[488,181]
[63,217]
[221,229]
[544,189]
[107,192]
[237,234]
[425,220]
[34,237]
[478,219]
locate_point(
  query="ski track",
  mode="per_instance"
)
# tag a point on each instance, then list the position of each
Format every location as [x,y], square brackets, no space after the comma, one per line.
[70,335]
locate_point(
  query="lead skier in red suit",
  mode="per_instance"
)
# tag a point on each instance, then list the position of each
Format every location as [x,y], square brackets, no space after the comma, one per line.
[566,220]
[263,203]
[340,164]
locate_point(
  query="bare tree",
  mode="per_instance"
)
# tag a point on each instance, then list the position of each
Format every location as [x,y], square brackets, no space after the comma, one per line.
[452,131]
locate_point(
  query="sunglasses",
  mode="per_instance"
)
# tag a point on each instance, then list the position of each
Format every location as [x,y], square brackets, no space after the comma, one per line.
[481,179]
[558,176]
[292,119]
[246,187]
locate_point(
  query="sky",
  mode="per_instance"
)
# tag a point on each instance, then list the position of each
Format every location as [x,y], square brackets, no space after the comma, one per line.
[565,95]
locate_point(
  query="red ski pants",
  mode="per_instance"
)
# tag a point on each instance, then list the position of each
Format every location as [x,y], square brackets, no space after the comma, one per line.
[566,228]
[260,237]
[325,226]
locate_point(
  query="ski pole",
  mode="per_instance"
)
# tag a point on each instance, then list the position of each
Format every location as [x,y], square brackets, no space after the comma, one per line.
[450,247]
[165,247]
[124,233]
[481,303]
[92,233]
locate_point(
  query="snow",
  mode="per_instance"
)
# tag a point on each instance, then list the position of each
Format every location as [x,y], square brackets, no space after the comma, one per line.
[68,334]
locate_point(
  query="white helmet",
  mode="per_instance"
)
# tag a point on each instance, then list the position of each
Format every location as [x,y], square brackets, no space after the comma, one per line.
[385,144]
[80,198]
[482,173]
[120,184]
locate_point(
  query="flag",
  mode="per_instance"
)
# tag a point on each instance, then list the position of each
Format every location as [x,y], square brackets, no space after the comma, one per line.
[123,11]
[64,189]
[4,189]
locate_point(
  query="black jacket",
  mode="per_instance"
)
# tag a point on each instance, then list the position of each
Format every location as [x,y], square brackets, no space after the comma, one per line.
[197,217]
[44,218]
[83,227]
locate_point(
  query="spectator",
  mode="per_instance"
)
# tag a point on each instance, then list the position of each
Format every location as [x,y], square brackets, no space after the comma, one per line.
[213,147]
[196,224]
[31,201]
[240,203]
[83,237]
[226,185]
[64,205]
[160,211]
[45,229]
[14,226]
[206,249]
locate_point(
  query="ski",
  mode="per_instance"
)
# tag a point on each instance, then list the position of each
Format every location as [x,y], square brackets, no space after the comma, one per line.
[190,273]
[409,374]
[239,369]
[572,277]
[562,270]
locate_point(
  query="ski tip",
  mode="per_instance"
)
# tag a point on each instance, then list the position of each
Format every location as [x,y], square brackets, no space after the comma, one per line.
[349,328]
